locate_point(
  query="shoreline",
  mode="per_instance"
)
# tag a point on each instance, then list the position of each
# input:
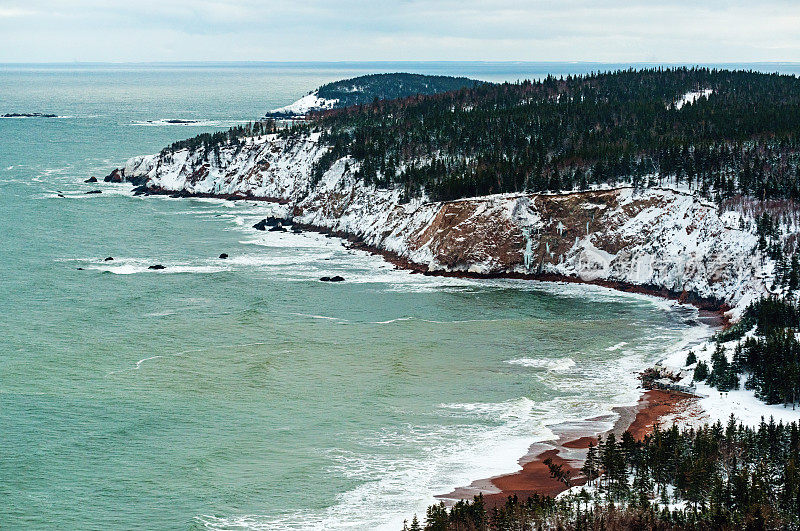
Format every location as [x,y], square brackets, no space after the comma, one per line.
[569,449]
[708,306]
[572,438]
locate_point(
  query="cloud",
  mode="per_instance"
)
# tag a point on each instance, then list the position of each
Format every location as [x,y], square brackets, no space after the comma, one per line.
[587,30]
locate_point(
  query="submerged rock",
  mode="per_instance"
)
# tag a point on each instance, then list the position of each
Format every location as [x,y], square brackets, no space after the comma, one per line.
[91,180]
[109,259]
[335,278]
[278,228]
[94,192]
[224,256]
[157,266]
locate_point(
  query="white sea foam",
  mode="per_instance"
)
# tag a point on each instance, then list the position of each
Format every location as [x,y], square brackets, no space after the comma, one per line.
[616,347]
[323,317]
[558,365]
[393,489]
[482,440]
[130,266]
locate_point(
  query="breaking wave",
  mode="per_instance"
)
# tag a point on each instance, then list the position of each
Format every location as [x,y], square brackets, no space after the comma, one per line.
[557,365]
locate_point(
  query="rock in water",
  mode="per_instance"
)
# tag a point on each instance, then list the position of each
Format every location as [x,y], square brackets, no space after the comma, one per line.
[278,228]
[94,192]
[224,256]
[109,259]
[91,180]
[297,230]
[261,225]
[157,266]
[325,279]
[114,177]
[336,278]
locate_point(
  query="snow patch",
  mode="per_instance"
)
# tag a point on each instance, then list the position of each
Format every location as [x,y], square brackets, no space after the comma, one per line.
[306,104]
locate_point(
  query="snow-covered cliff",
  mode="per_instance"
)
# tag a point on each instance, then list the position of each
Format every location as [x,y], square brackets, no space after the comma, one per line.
[658,238]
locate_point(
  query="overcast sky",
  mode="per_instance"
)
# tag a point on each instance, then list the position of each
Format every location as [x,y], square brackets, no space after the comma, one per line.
[308,30]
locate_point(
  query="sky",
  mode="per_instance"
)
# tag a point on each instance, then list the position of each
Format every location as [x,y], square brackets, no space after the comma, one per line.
[404,30]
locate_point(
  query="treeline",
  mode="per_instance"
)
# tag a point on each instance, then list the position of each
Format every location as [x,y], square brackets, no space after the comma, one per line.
[770,359]
[718,477]
[209,142]
[573,132]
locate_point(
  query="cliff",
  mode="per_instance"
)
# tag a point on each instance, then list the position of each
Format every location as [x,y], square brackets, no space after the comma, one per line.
[656,238]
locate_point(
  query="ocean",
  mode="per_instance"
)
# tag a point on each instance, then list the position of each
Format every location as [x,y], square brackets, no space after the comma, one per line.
[244,393]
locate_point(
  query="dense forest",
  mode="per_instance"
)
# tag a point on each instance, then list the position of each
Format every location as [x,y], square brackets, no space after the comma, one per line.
[716,477]
[632,126]
[737,135]
[210,143]
[769,357]
[366,89]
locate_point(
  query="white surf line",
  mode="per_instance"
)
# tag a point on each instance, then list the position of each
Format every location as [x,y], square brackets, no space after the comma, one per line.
[135,368]
[392,320]
[184,352]
[313,316]
[460,321]
[616,347]
[432,321]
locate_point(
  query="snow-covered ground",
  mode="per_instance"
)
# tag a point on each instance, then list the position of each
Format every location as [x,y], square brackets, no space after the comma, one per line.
[306,104]
[692,97]
[717,405]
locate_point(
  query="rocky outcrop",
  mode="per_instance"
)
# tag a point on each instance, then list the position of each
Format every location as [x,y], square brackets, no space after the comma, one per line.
[115,176]
[656,238]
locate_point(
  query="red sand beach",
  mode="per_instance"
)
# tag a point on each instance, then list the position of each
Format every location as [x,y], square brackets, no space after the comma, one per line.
[570,447]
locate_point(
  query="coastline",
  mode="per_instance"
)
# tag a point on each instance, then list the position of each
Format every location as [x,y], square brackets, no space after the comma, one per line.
[572,439]
[709,306]
[569,449]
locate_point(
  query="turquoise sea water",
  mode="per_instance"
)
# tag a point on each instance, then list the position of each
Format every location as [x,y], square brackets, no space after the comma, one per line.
[243,392]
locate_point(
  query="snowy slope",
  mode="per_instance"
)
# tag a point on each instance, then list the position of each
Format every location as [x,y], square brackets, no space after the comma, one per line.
[306,104]
[717,405]
[655,237]
[692,97]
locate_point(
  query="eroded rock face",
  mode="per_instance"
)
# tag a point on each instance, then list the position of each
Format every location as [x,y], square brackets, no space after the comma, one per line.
[653,237]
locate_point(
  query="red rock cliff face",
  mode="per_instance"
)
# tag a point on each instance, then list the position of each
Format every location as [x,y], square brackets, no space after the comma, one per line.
[463,234]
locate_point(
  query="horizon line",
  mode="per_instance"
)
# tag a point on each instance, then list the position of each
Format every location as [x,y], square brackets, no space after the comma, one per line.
[400,61]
